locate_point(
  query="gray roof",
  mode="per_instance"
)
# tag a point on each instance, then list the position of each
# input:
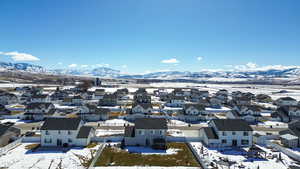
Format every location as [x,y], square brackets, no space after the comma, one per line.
[151,123]
[287,98]
[144,105]
[61,124]
[232,125]
[199,107]
[210,133]
[129,131]
[8,128]
[84,132]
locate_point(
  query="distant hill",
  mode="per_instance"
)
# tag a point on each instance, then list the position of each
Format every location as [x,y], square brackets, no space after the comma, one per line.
[106,72]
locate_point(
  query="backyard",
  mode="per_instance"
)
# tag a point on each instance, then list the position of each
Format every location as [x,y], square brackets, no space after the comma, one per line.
[177,154]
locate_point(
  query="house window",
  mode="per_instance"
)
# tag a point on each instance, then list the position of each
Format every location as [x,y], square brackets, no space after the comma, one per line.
[152,131]
[224,133]
[69,132]
[70,140]
[48,140]
[58,131]
[246,133]
[160,132]
[233,133]
[140,132]
[245,142]
[224,141]
[47,132]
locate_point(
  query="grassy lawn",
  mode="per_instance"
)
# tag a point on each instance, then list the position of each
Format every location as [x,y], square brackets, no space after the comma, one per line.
[112,156]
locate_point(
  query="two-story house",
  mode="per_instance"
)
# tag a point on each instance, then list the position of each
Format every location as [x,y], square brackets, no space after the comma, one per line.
[90,112]
[227,133]
[65,132]
[38,111]
[147,132]
[175,101]
[40,98]
[98,94]
[144,108]
[108,100]
[286,101]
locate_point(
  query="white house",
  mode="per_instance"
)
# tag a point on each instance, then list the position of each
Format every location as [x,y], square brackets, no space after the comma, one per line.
[40,98]
[98,94]
[90,112]
[250,113]
[193,112]
[58,132]
[38,111]
[175,101]
[227,133]
[286,101]
[7,98]
[147,132]
[143,108]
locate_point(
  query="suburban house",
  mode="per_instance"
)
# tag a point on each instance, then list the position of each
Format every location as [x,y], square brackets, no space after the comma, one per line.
[58,95]
[144,108]
[250,113]
[7,98]
[178,92]
[242,101]
[263,98]
[175,101]
[142,98]
[121,92]
[193,112]
[222,92]
[40,98]
[147,132]
[4,111]
[38,111]
[77,100]
[286,101]
[65,132]
[215,102]
[108,100]
[227,133]
[197,95]
[8,133]
[90,112]
[98,94]
[290,137]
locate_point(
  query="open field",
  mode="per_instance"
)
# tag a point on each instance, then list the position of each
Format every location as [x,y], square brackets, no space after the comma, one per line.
[112,156]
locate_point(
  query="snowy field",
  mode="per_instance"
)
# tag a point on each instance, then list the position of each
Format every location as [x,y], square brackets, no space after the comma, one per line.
[16,121]
[20,158]
[100,132]
[236,156]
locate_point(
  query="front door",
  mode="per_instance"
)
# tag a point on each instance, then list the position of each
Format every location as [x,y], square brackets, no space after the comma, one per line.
[58,142]
[234,143]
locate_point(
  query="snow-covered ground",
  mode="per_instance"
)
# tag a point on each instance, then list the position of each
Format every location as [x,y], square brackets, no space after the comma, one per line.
[274,124]
[149,151]
[236,156]
[144,167]
[16,121]
[115,122]
[20,158]
[100,132]
[175,133]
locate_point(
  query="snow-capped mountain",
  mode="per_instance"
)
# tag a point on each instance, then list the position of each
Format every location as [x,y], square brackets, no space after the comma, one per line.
[290,72]
[100,72]
[22,67]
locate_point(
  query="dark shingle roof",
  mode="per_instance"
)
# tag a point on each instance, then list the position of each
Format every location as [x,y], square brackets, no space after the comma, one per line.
[61,124]
[84,132]
[38,105]
[129,131]
[151,123]
[5,128]
[210,133]
[232,125]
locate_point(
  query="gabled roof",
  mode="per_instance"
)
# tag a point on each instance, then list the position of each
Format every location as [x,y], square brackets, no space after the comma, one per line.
[6,128]
[231,125]
[287,99]
[129,131]
[61,124]
[84,132]
[199,107]
[210,133]
[151,123]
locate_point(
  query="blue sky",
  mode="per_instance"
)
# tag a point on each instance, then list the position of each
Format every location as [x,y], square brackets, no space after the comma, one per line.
[138,36]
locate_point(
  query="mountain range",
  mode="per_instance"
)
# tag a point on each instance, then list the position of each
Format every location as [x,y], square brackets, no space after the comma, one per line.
[105,72]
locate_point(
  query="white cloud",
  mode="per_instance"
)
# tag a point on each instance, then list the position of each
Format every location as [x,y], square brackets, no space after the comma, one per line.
[124,66]
[84,66]
[59,63]
[102,65]
[199,58]
[170,61]
[251,65]
[16,56]
[72,65]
